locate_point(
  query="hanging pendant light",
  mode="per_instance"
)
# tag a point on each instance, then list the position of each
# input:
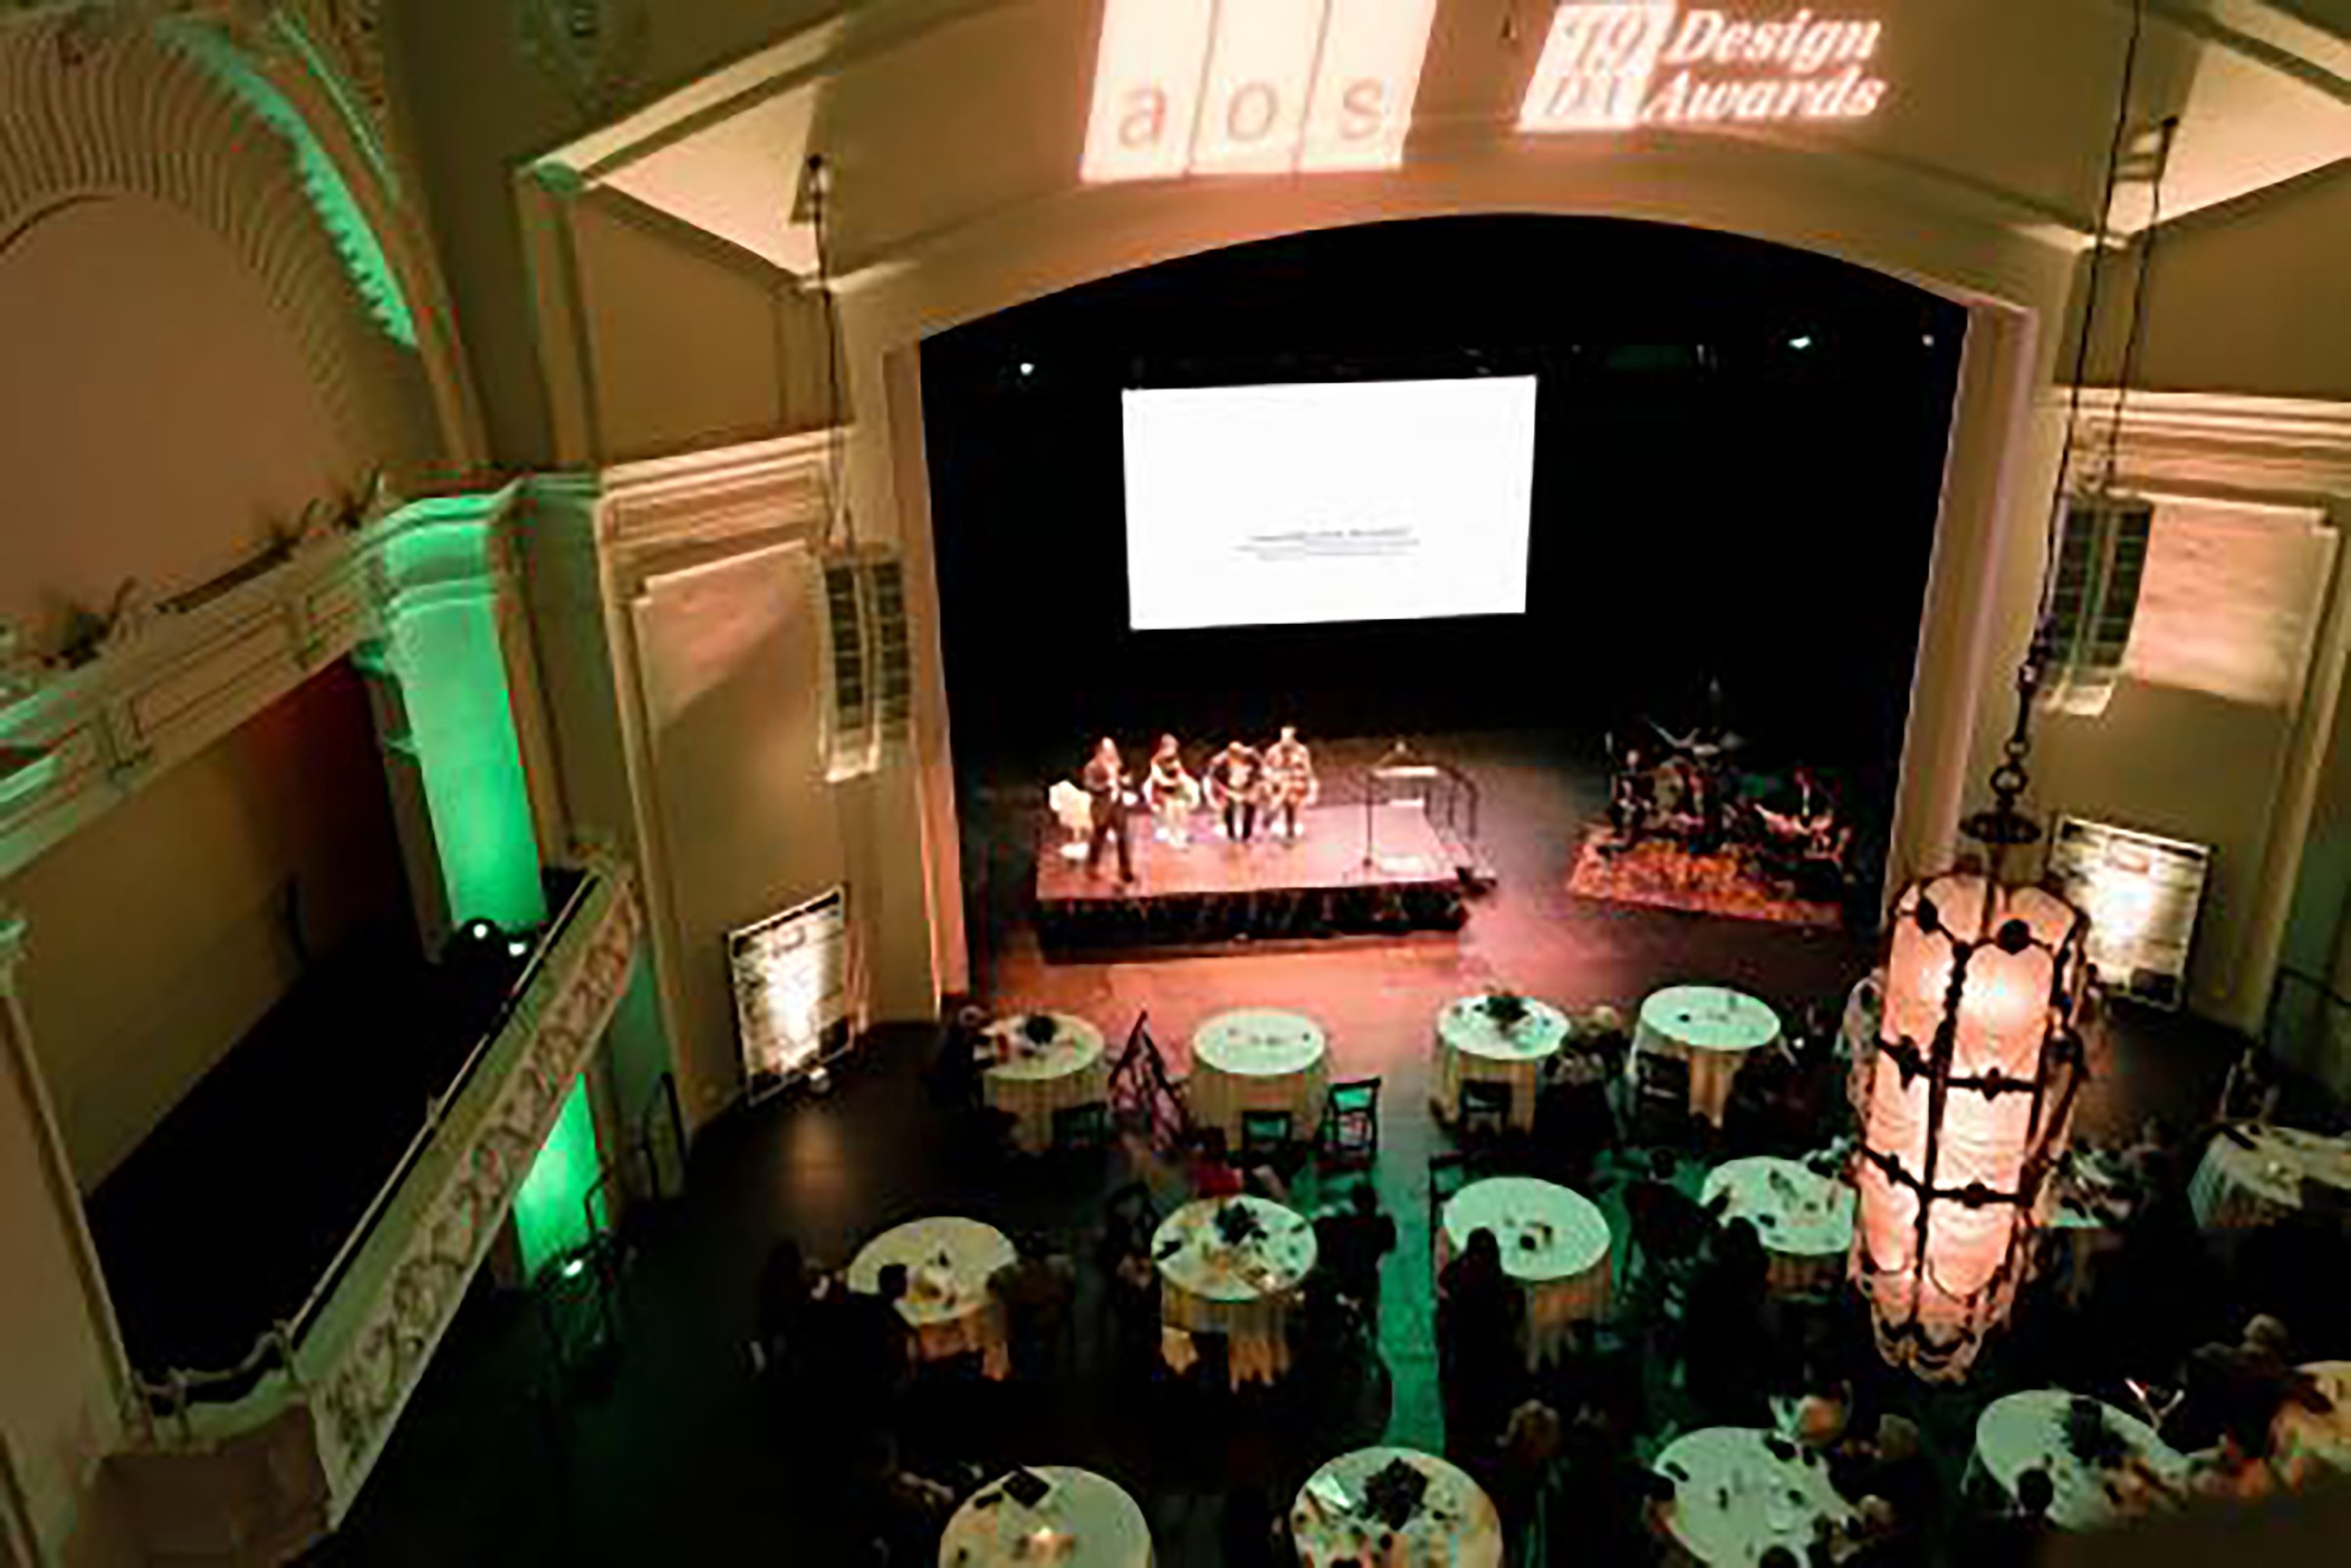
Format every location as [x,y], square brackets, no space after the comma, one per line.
[1967,1104]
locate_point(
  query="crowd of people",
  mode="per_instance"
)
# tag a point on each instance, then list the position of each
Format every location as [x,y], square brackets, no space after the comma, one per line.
[1699,1336]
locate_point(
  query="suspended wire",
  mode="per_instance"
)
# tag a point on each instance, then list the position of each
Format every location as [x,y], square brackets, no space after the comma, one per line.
[2089,318]
[2139,296]
[820,177]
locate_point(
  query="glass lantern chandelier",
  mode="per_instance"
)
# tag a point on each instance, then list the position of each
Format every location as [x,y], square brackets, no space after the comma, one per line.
[1967,1104]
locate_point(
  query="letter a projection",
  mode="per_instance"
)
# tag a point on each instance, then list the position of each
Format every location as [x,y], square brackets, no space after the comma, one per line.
[1261,87]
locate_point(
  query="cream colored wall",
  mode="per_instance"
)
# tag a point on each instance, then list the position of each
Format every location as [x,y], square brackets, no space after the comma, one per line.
[729,656]
[688,343]
[160,415]
[479,110]
[2253,296]
[157,929]
[56,1413]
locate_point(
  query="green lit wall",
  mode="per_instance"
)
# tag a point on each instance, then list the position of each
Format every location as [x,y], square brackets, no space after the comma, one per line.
[548,1214]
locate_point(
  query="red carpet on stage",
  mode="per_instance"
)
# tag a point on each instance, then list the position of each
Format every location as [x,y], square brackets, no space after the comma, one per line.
[1665,874]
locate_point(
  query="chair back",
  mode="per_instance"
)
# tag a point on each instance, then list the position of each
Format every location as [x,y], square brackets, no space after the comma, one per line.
[1351,1119]
[1265,1131]
[1081,1126]
[1661,1076]
[1448,1173]
[1486,1105]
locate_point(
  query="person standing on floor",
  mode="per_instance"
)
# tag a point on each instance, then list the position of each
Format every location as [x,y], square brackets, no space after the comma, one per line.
[1105,783]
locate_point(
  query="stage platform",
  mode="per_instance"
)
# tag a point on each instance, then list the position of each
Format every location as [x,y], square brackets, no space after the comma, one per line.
[1214,890]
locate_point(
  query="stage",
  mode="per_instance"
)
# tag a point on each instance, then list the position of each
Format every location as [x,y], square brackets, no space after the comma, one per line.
[1215,890]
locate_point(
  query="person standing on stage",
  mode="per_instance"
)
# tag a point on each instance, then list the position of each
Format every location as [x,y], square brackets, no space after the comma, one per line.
[1170,794]
[1289,780]
[1237,781]
[1105,783]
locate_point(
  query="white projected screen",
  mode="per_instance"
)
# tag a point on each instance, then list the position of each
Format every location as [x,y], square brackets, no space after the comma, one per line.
[1362,500]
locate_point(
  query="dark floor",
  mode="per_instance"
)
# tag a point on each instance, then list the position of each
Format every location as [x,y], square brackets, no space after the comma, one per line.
[501,1459]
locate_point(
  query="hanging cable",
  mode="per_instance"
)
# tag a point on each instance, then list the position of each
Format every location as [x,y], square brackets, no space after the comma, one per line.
[2138,294]
[819,188]
[2089,318]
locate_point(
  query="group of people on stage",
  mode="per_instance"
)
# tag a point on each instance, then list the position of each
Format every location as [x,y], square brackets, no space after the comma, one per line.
[1237,784]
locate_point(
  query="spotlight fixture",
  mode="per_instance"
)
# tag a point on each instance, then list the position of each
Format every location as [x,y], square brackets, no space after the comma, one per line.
[1800,342]
[1027,367]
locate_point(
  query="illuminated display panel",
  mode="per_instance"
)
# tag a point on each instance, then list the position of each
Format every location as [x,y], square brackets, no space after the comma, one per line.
[2141,893]
[1611,64]
[1266,87]
[791,977]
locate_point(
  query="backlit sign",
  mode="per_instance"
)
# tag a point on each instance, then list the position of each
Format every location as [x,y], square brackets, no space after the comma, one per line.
[1611,64]
[1253,86]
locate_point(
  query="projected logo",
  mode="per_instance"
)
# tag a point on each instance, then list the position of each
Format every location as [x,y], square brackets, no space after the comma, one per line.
[1609,65]
[1258,87]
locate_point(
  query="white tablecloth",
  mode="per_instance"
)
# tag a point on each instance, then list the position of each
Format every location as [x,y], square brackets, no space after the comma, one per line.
[946,1302]
[1734,1498]
[1713,1030]
[1457,1526]
[1554,1241]
[1806,1221]
[1243,1293]
[1031,1082]
[1472,1045]
[2302,1433]
[1258,1059]
[2235,1186]
[1104,1527]
[2028,1430]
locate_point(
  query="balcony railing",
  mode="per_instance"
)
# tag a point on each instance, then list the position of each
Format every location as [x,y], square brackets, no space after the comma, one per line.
[347,1358]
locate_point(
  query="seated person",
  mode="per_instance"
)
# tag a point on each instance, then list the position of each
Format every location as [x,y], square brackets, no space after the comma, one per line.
[1360,1237]
[1236,787]
[1212,1174]
[1289,780]
[1171,794]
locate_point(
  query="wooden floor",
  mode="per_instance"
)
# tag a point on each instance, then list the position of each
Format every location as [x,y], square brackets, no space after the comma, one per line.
[1328,853]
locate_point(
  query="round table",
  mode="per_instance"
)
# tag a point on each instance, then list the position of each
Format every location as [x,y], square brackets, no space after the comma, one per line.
[1029,1081]
[1242,1292]
[1258,1059]
[1710,1028]
[1103,1526]
[1805,1219]
[2300,1433]
[2236,1186]
[946,1302]
[1470,1044]
[1735,1497]
[2028,1430]
[1555,1243]
[1456,1525]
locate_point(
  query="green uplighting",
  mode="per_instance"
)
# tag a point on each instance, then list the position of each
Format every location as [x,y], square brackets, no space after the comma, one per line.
[331,197]
[549,1216]
[444,646]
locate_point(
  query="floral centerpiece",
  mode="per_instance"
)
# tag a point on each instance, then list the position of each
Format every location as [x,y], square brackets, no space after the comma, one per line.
[1040,1029]
[1507,1008]
[1236,1225]
[1393,1496]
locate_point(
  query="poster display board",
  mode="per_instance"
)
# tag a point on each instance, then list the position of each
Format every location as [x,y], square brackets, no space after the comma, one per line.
[791,978]
[2142,894]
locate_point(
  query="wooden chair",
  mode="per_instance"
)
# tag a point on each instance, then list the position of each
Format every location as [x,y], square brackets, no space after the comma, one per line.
[1079,1128]
[1266,1135]
[1448,1173]
[1485,1112]
[1660,1098]
[1351,1121]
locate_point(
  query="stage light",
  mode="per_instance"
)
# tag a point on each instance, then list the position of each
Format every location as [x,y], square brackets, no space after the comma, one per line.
[574,1267]
[1027,368]
[1799,344]
[518,949]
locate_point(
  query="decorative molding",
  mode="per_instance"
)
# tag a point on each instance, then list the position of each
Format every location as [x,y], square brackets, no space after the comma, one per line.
[2284,451]
[741,496]
[171,684]
[152,115]
[377,1335]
